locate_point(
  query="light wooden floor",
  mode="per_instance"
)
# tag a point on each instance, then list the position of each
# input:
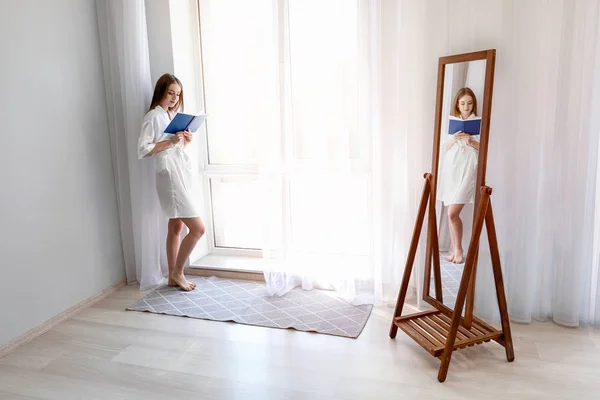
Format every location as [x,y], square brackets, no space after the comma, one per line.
[107,353]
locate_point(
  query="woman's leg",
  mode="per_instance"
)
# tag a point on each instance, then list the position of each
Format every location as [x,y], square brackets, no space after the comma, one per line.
[456,232]
[173,242]
[450,256]
[196,231]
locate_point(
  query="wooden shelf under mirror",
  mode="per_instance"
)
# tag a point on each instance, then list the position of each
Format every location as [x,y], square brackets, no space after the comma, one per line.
[431,330]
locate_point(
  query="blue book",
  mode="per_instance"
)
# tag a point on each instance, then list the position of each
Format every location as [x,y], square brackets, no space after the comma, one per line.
[470,126]
[182,121]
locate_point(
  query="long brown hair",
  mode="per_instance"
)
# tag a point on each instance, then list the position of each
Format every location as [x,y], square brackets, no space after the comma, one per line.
[161,89]
[462,92]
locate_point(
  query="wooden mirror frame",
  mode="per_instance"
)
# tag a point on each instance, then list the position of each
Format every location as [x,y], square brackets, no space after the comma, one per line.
[490,57]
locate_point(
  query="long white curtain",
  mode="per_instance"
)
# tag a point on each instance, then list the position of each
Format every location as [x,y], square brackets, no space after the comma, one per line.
[358,103]
[124,45]
[543,155]
[544,116]
[333,154]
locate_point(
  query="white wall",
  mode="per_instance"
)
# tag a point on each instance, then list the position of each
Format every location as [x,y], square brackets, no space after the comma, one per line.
[475,80]
[159,38]
[59,236]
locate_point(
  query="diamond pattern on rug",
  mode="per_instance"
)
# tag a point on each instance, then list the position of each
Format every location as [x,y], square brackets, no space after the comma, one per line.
[248,303]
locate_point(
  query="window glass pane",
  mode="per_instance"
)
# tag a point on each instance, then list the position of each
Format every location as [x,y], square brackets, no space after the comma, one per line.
[326,213]
[324,63]
[241,75]
[237,210]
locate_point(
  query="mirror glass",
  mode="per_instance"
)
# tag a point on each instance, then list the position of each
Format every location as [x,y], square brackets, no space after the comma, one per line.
[463,90]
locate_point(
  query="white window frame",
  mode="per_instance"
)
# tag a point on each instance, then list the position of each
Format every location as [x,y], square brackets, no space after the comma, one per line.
[209,171]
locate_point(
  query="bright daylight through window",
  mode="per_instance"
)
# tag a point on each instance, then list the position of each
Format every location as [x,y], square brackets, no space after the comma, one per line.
[287,169]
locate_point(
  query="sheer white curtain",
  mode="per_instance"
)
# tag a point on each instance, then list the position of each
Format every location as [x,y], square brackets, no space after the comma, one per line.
[544,118]
[356,101]
[358,113]
[124,45]
[329,57]
[543,154]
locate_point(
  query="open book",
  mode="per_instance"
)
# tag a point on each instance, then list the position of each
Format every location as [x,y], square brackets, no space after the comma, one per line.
[471,126]
[182,121]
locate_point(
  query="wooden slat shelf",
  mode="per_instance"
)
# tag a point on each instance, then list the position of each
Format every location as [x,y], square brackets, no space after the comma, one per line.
[430,329]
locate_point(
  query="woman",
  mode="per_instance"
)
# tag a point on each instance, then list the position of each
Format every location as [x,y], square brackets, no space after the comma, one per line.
[459,171]
[173,175]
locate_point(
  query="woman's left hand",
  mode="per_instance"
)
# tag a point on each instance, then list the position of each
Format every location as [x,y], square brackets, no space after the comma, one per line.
[187,136]
[465,137]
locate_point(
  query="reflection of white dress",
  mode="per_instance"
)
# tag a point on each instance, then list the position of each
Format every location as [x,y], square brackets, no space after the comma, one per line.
[459,172]
[174,179]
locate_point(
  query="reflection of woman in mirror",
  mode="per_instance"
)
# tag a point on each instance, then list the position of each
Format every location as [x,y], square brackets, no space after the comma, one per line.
[459,172]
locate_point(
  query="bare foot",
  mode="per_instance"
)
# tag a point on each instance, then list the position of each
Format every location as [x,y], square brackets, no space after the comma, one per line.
[183,283]
[449,257]
[458,257]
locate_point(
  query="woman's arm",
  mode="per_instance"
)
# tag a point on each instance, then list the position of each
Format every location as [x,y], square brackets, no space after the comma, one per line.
[162,146]
[473,143]
[455,138]
[167,144]
[146,145]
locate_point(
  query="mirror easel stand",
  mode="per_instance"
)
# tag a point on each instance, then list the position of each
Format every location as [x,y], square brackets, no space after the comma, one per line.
[443,330]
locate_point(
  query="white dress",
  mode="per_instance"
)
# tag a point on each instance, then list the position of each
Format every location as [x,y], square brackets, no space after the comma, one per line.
[174,181]
[459,171]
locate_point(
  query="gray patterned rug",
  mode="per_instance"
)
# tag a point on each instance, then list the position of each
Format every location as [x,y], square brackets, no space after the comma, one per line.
[247,302]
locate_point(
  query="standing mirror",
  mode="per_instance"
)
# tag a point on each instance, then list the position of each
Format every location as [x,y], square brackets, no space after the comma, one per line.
[456,203]
[461,129]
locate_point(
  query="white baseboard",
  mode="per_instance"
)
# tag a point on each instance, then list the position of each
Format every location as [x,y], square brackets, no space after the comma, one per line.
[52,322]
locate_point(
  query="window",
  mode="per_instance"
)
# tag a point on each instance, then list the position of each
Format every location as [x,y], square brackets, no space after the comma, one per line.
[286,149]
[239,43]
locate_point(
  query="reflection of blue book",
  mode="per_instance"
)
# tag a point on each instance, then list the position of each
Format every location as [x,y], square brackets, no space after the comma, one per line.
[470,126]
[182,121]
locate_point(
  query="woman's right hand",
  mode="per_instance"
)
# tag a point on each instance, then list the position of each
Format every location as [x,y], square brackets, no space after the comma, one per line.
[461,136]
[178,137]
[455,138]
